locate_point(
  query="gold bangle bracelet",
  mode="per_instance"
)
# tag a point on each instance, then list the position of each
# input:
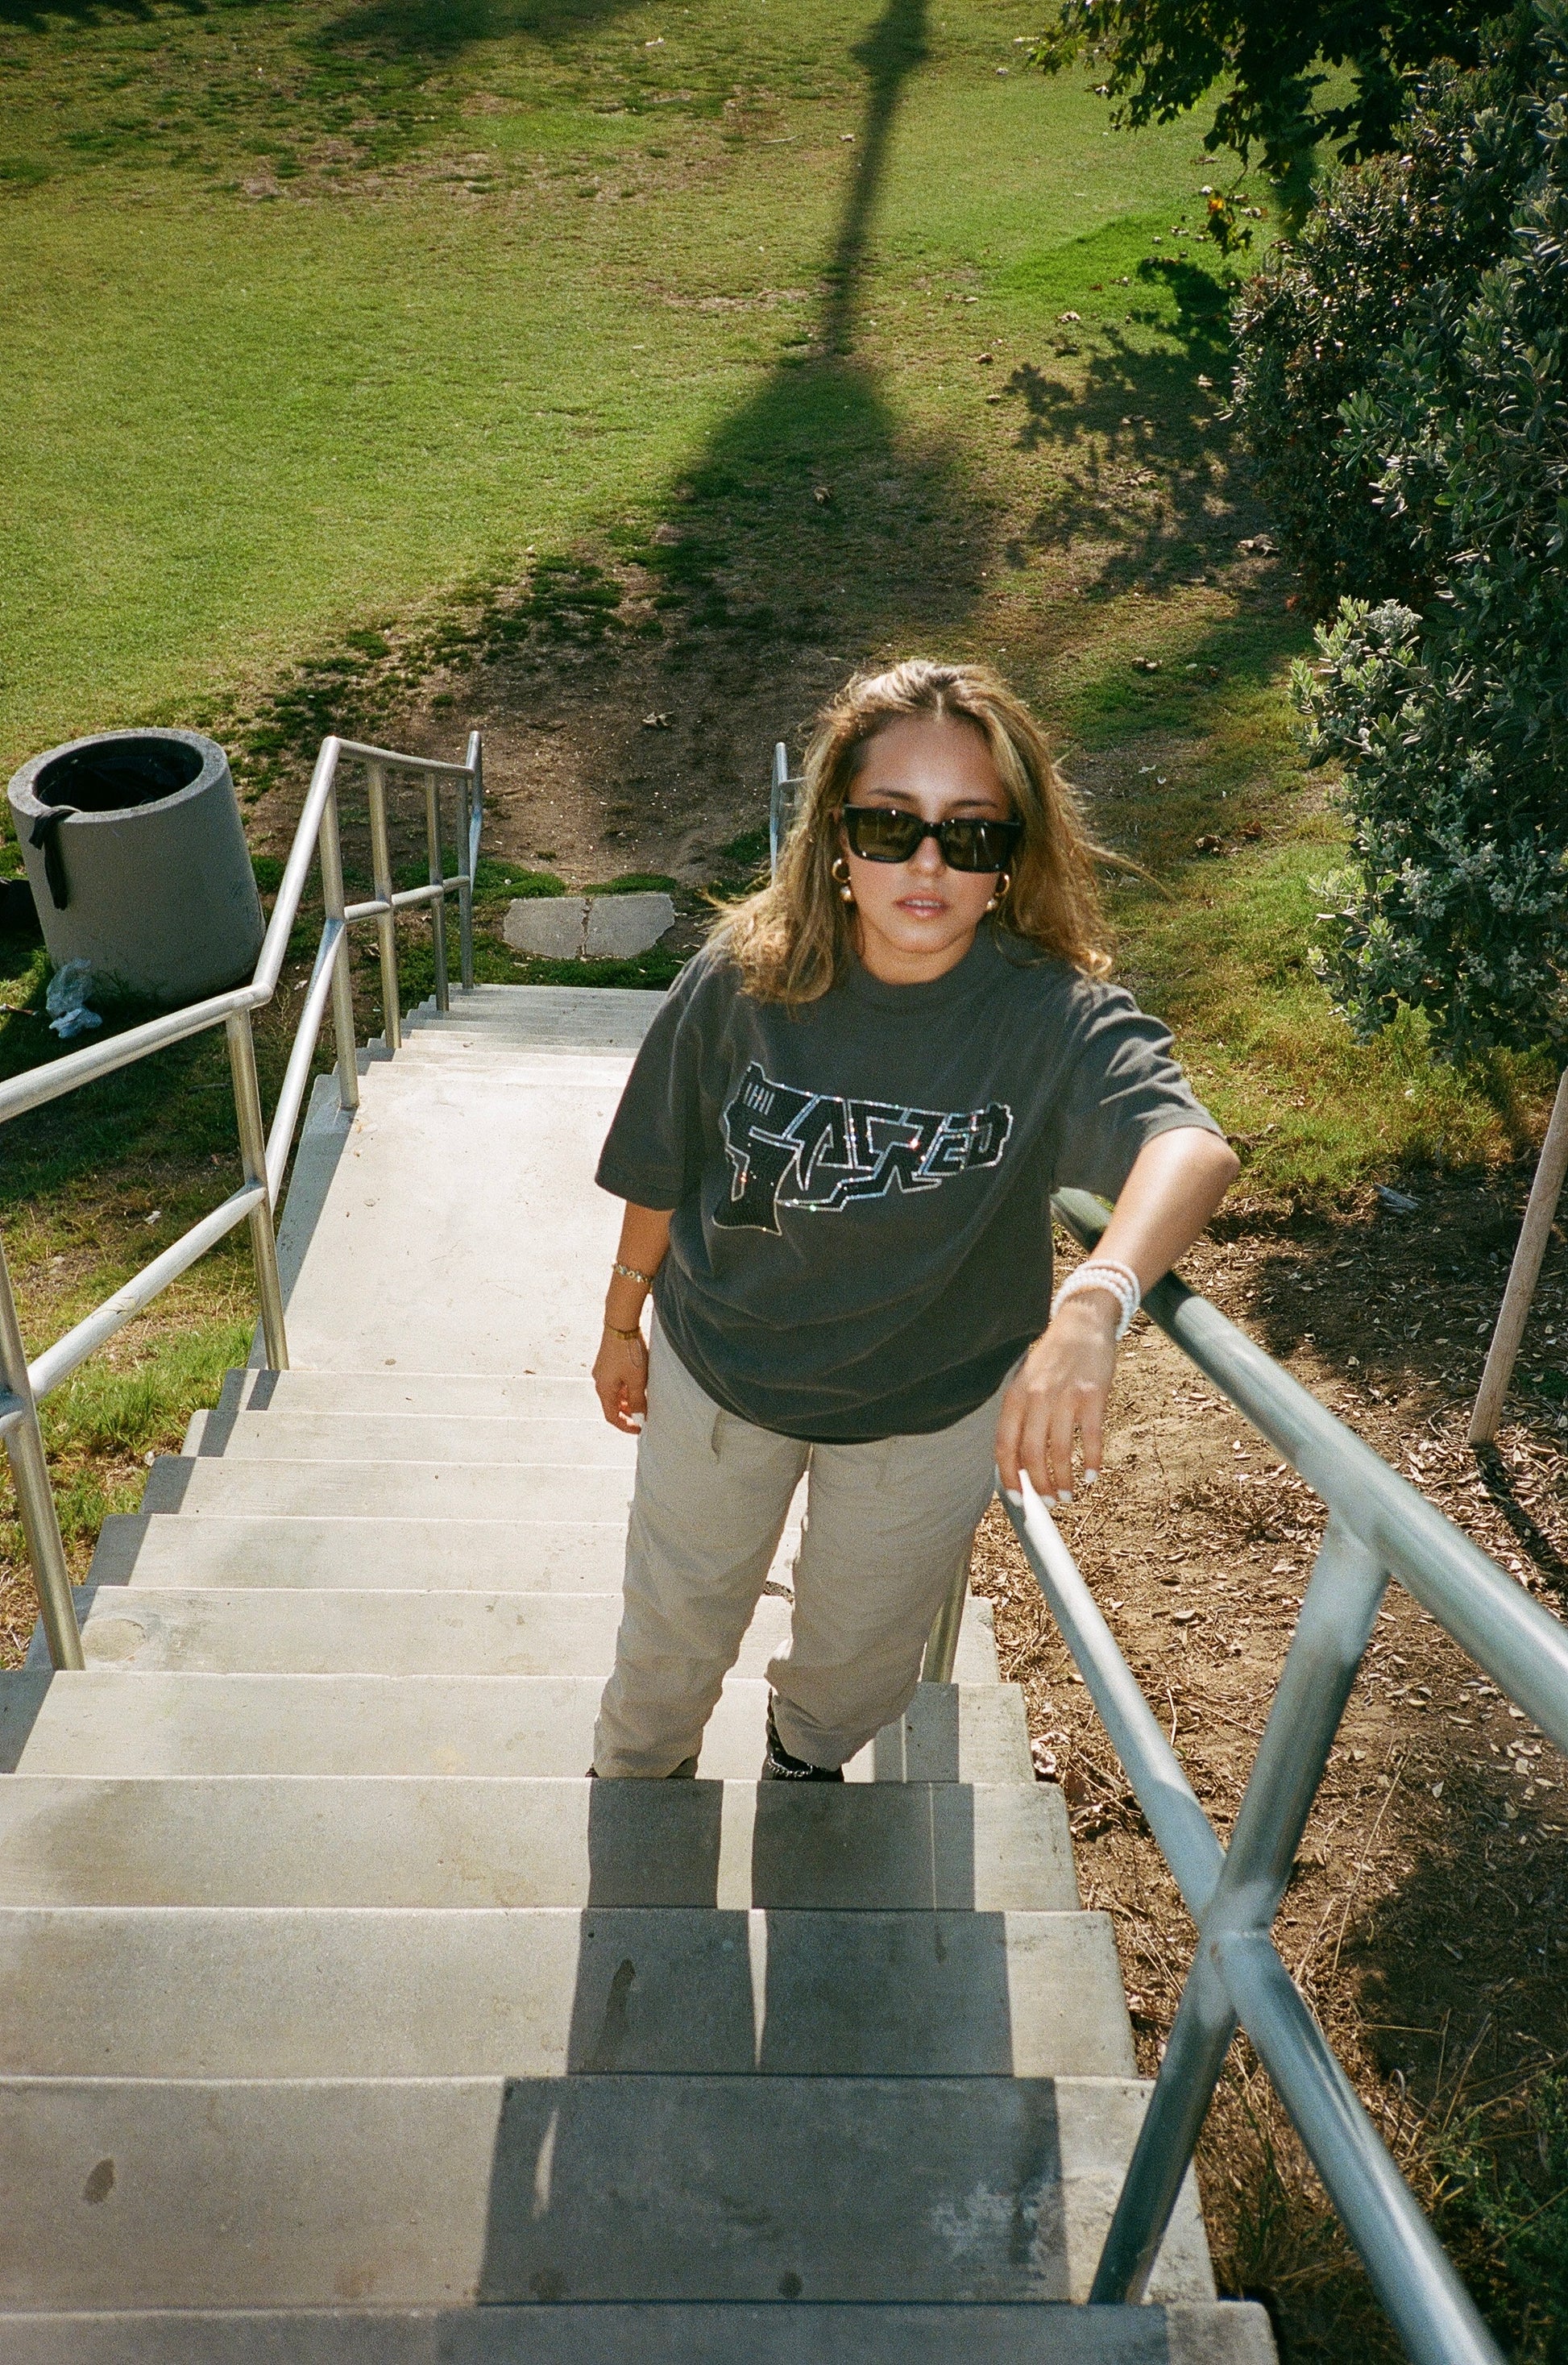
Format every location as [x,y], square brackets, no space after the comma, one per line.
[614,1333]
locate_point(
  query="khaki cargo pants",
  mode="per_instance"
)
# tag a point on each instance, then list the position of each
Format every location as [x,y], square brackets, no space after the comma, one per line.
[888,1527]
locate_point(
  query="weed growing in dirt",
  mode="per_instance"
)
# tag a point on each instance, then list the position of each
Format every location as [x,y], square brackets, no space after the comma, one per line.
[1503,2206]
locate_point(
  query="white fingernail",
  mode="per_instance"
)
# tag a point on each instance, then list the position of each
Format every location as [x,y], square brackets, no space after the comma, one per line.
[1065,1497]
[636,1419]
[1048,1498]
[1012,1497]
[1091,1478]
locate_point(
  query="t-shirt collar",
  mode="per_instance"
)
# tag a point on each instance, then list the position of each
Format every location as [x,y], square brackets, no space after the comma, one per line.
[965,978]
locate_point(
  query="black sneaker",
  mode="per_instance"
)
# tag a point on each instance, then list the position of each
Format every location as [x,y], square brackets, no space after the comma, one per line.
[780,1767]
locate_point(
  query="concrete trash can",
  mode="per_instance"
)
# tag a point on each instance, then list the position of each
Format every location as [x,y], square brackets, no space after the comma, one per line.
[137,858]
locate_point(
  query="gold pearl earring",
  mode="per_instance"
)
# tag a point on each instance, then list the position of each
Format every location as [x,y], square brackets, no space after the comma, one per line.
[840,870]
[1000,890]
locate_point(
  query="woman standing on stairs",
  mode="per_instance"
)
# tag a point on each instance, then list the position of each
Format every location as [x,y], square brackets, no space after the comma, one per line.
[837,1147]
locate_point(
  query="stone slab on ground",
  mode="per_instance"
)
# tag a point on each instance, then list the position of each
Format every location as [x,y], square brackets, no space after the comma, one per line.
[587,927]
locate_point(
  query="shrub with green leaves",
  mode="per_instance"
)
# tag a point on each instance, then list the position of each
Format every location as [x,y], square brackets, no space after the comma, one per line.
[1392,247]
[1446,705]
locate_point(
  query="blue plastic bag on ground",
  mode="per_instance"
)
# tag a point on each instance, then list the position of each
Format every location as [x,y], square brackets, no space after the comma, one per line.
[66,1001]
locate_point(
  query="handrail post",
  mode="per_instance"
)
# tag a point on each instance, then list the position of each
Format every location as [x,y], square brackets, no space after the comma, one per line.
[254,1152]
[780,810]
[470,810]
[1551,1171]
[387,921]
[1194,2056]
[1337,1614]
[332,852]
[437,859]
[34,1495]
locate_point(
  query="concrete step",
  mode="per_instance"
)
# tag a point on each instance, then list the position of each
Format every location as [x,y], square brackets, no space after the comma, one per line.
[253,1549]
[181,1991]
[613,1015]
[405,1490]
[518,1395]
[108,1723]
[623,1027]
[491,1026]
[389,1632]
[541,1076]
[299,1839]
[1223,2332]
[441,2193]
[292,1632]
[498,1040]
[461,1069]
[499,1442]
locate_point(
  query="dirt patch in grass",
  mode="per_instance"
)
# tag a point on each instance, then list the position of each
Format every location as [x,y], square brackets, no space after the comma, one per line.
[1426,1918]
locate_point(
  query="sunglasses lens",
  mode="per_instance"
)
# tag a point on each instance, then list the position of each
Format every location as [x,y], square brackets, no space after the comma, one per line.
[977,845]
[878,835]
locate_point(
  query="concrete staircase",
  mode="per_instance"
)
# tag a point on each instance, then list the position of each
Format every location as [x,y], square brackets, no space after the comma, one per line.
[341,2018]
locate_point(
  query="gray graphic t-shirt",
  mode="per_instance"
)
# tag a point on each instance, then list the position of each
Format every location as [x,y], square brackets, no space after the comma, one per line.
[861,1239]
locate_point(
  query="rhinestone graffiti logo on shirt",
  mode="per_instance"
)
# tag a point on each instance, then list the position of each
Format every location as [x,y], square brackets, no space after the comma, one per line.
[792,1149]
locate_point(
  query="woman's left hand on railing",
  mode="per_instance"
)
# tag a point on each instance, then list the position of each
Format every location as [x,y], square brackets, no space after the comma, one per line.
[1177,1182]
[1058,1393]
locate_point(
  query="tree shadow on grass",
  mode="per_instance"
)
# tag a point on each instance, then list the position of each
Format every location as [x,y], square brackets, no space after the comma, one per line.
[1151,470]
[811,532]
[813,528]
[50,16]
[441,27]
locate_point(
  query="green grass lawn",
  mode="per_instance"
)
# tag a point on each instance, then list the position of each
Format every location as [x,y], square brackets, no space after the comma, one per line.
[239,424]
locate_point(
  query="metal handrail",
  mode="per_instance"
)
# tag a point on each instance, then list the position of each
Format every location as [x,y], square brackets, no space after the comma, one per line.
[1379,1527]
[264,1154]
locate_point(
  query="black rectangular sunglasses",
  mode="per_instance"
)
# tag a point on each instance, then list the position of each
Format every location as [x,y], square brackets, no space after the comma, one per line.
[883,834]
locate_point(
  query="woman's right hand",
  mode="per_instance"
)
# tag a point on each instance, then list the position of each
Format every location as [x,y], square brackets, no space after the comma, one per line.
[620,1382]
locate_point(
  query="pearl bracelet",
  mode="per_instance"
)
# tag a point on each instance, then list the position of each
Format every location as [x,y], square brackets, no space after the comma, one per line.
[1118,1281]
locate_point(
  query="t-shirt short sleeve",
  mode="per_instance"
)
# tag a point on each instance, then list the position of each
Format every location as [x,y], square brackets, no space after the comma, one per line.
[653,1152]
[1126,1088]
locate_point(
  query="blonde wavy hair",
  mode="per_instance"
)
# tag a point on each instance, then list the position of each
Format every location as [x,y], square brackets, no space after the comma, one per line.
[794,939]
